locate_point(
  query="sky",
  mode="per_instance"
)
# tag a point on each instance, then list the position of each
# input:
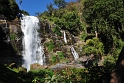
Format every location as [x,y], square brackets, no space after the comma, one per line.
[33,6]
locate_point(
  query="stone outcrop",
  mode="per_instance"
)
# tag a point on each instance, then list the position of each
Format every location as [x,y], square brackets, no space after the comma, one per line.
[8,50]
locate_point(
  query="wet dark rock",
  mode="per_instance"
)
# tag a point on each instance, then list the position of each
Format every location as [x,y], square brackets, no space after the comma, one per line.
[86,61]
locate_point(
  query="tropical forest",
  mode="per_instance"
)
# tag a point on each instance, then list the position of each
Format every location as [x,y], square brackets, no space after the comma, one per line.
[80,41]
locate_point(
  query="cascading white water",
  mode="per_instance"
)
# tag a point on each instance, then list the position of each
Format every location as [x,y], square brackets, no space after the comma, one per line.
[32,49]
[75,54]
[65,37]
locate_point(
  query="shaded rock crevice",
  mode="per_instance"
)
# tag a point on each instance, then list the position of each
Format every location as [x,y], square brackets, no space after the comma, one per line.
[8,54]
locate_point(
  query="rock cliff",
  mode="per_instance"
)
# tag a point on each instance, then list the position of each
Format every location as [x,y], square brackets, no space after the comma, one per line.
[9,43]
[55,48]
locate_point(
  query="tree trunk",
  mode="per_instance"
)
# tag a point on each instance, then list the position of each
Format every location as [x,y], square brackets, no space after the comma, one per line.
[117,75]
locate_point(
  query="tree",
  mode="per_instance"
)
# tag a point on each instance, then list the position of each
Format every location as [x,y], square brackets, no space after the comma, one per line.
[106,17]
[24,12]
[50,8]
[20,2]
[60,3]
[69,21]
[9,9]
[94,46]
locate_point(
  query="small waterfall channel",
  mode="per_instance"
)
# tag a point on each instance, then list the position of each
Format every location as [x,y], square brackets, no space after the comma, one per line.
[32,49]
[74,53]
[65,37]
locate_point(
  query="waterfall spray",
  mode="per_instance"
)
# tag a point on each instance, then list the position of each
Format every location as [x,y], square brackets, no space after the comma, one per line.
[32,49]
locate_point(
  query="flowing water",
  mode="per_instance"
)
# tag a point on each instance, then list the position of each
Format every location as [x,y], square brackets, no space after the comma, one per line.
[74,53]
[32,49]
[65,37]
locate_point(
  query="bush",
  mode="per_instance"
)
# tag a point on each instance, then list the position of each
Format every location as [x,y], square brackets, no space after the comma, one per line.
[37,75]
[110,61]
[61,55]
[93,46]
[13,36]
[83,36]
[57,30]
[50,45]
[54,59]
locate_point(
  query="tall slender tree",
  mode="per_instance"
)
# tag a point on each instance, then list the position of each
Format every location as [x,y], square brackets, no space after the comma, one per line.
[60,3]
[50,8]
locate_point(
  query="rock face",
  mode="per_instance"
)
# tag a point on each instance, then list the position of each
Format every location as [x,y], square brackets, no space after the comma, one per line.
[8,53]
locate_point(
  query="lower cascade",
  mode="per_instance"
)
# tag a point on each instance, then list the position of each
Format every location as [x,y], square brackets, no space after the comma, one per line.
[75,54]
[32,49]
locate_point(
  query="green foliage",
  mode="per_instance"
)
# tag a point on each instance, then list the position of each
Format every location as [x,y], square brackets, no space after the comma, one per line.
[72,75]
[93,46]
[60,13]
[49,45]
[71,6]
[53,79]
[54,59]
[64,19]
[110,61]
[37,75]
[24,12]
[50,8]
[94,74]
[107,22]
[112,57]
[111,10]
[118,43]
[70,21]
[9,9]
[57,30]
[44,15]
[83,36]
[61,55]
[12,36]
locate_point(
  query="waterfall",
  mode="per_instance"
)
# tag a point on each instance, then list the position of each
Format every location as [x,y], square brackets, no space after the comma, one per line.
[75,54]
[32,49]
[65,37]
